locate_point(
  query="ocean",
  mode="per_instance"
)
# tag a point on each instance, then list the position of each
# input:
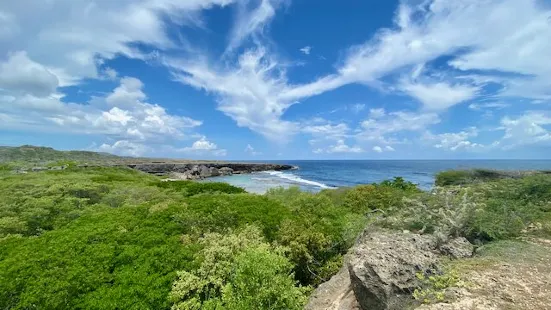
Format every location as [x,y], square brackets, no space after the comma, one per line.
[315,175]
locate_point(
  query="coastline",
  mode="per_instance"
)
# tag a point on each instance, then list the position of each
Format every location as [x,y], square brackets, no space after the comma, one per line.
[198,171]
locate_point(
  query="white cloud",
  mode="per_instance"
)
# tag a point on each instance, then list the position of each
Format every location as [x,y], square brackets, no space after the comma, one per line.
[389,148]
[326,130]
[250,150]
[380,126]
[502,35]
[306,50]
[125,148]
[438,95]
[68,36]
[110,73]
[250,93]
[122,114]
[454,141]
[488,105]
[251,22]
[377,113]
[22,75]
[527,129]
[342,147]
[202,147]
[128,94]
[377,149]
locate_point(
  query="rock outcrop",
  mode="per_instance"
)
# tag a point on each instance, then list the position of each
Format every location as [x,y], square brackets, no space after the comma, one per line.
[383,267]
[380,271]
[457,248]
[193,171]
[335,294]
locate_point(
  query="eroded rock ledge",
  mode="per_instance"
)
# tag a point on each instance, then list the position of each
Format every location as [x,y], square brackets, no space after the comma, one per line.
[380,271]
[193,171]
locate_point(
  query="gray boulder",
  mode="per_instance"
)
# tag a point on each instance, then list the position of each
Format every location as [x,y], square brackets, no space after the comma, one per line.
[204,171]
[225,171]
[214,172]
[458,248]
[383,267]
[335,294]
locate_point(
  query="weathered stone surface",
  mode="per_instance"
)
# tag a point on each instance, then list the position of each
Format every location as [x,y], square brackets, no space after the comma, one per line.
[335,294]
[204,171]
[225,171]
[458,248]
[214,171]
[383,267]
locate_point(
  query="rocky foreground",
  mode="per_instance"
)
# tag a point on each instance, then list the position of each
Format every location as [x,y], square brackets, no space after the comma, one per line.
[380,271]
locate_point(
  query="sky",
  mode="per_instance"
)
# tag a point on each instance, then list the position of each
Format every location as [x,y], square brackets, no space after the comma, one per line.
[279,79]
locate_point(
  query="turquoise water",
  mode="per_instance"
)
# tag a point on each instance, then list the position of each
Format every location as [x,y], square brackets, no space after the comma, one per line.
[317,175]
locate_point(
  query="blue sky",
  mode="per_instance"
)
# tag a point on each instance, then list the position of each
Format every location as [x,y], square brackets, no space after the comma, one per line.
[279,79]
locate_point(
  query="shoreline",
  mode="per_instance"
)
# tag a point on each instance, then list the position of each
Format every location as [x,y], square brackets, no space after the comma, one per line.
[198,171]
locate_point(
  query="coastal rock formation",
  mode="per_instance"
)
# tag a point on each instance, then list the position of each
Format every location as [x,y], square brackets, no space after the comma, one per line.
[192,171]
[383,266]
[380,271]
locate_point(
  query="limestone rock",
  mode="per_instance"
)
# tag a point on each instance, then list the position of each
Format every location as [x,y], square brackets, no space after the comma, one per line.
[458,248]
[225,171]
[204,171]
[214,171]
[383,267]
[335,294]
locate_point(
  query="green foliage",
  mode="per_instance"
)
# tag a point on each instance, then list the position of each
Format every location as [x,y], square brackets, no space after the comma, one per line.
[190,188]
[400,183]
[115,238]
[216,213]
[487,211]
[122,258]
[316,235]
[43,155]
[466,177]
[238,271]
[444,212]
[433,287]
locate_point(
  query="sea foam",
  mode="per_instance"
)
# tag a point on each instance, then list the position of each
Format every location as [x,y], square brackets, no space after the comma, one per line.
[296,179]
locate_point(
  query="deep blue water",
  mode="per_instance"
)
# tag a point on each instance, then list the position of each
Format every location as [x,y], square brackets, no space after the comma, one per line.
[319,174]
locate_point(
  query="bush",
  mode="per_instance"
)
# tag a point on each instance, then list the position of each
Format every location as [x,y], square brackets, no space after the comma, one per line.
[365,198]
[465,177]
[191,188]
[238,271]
[445,212]
[317,234]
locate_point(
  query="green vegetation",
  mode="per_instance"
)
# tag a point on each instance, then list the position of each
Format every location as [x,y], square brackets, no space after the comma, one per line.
[32,155]
[115,238]
[434,286]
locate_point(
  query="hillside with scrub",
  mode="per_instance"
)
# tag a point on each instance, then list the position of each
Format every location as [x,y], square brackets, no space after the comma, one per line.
[116,238]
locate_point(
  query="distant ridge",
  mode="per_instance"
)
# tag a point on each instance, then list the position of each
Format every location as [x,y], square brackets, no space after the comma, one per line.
[41,154]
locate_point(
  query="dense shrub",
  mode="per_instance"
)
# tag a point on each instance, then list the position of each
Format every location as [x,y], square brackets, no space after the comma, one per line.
[238,271]
[122,258]
[190,188]
[317,233]
[465,177]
